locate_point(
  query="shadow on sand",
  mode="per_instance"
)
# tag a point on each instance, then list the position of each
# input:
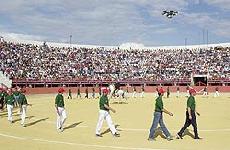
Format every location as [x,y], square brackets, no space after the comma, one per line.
[108,130]
[73,125]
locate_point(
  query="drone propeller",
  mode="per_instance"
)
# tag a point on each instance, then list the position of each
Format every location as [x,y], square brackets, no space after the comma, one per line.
[169,14]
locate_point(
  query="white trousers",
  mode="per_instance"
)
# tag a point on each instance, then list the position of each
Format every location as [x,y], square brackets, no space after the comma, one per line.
[120,93]
[187,94]
[105,115]
[216,94]
[61,117]
[178,93]
[142,94]
[134,94]
[9,111]
[23,114]
[205,93]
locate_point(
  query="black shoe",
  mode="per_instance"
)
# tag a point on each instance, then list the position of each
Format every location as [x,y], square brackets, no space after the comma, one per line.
[116,135]
[178,136]
[98,135]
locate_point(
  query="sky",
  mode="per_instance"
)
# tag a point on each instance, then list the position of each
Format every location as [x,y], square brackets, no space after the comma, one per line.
[114,22]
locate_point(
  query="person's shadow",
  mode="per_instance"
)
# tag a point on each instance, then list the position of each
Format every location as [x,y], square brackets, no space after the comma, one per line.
[186,132]
[35,122]
[16,120]
[119,103]
[108,130]
[73,125]
[5,114]
[159,132]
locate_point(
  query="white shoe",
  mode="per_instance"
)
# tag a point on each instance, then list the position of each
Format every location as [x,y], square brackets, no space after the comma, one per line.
[23,124]
[60,129]
[169,138]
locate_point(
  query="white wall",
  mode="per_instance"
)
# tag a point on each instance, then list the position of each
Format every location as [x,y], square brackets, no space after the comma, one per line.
[5,80]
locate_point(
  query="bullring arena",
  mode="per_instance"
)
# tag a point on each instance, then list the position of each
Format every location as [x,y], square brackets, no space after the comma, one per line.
[133,120]
[55,94]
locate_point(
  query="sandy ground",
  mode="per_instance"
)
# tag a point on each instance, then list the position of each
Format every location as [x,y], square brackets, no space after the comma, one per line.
[132,119]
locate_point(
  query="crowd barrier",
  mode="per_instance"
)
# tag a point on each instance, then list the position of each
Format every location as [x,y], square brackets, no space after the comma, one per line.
[148,89]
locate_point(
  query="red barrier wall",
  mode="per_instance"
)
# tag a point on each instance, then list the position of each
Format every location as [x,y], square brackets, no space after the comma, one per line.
[130,89]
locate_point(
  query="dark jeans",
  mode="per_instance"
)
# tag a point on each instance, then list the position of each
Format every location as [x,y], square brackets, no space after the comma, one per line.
[158,118]
[188,122]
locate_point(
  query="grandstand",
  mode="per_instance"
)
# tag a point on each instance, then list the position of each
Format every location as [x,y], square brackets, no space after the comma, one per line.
[39,64]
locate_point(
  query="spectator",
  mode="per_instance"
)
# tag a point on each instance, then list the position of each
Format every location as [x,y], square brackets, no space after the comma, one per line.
[33,62]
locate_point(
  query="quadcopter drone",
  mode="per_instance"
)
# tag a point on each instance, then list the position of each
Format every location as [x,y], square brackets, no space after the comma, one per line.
[169,14]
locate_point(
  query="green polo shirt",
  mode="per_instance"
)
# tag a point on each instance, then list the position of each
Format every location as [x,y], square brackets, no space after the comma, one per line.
[59,101]
[9,99]
[103,100]
[22,99]
[2,94]
[16,93]
[159,104]
[191,103]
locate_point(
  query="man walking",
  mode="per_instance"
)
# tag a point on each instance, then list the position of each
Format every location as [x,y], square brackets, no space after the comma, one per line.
[2,99]
[217,92]
[178,92]
[9,105]
[70,94]
[190,115]
[78,92]
[60,109]
[93,92]
[86,93]
[22,101]
[168,92]
[105,114]
[158,117]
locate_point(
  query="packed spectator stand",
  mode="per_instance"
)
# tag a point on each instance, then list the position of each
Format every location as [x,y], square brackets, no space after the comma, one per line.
[43,62]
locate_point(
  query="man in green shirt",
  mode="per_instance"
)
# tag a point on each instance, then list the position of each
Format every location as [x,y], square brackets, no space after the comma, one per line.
[2,98]
[158,117]
[190,115]
[105,114]
[22,101]
[9,104]
[16,94]
[60,109]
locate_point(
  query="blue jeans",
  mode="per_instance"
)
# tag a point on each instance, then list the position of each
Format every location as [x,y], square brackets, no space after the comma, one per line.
[158,118]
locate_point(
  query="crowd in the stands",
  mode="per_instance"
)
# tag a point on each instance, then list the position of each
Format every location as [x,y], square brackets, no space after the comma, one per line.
[38,62]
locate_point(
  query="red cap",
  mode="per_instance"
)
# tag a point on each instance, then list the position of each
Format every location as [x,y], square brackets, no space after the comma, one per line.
[61,90]
[161,91]
[105,91]
[192,91]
